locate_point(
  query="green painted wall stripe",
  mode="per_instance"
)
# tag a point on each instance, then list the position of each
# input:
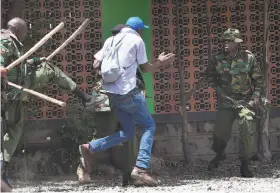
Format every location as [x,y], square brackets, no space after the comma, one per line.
[118,11]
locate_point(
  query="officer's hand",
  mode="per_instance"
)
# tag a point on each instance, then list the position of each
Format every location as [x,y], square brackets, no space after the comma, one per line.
[4,71]
[43,59]
[166,57]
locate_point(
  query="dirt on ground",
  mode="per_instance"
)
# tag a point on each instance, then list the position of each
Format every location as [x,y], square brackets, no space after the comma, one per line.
[177,177]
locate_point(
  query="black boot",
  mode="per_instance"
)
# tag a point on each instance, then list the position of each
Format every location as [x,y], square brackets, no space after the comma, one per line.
[4,176]
[214,163]
[244,169]
[89,100]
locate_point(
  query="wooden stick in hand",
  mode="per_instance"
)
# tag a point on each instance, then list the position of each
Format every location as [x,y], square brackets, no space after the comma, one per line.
[73,36]
[40,95]
[36,47]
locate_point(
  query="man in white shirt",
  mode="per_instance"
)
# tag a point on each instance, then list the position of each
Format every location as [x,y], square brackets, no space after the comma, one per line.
[127,100]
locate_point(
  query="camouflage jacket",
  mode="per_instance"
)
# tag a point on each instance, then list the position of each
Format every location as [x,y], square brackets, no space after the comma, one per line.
[239,78]
[11,49]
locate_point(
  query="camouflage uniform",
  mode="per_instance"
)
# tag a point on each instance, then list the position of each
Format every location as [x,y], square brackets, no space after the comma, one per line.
[11,49]
[239,78]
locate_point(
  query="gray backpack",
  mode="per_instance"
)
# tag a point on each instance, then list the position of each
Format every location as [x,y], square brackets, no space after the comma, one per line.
[111,70]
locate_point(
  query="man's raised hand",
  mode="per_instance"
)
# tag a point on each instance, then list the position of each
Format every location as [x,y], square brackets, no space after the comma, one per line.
[164,58]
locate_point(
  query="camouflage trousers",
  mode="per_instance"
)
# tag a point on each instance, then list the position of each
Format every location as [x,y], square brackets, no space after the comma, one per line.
[223,129]
[44,74]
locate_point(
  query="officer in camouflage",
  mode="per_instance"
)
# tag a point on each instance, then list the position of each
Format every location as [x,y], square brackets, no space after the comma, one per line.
[35,75]
[11,49]
[234,73]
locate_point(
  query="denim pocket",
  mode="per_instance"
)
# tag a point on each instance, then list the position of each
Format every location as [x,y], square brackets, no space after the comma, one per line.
[140,98]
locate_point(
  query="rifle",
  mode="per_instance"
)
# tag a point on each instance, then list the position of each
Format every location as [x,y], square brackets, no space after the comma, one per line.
[238,105]
[259,109]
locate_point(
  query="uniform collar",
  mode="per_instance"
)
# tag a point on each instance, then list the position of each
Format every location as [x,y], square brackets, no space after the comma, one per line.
[237,54]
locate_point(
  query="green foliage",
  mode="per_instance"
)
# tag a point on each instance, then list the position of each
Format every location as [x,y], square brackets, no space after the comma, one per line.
[80,129]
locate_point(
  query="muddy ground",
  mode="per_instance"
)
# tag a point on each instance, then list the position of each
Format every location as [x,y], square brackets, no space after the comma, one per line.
[173,178]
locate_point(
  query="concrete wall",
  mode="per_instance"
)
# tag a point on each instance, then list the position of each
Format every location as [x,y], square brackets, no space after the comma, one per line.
[168,139]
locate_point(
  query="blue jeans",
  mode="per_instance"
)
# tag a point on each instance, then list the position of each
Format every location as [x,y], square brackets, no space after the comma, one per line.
[131,109]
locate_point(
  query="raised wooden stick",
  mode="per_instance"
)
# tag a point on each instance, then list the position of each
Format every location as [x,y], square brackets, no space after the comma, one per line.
[77,32]
[40,95]
[36,47]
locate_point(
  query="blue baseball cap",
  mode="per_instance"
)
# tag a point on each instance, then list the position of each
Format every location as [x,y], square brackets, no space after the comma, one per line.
[136,23]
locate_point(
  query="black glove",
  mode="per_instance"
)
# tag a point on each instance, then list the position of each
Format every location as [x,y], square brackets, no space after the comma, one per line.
[36,61]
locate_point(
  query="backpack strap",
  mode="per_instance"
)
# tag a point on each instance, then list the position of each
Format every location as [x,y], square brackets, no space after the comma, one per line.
[118,43]
[112,41]
[117,47]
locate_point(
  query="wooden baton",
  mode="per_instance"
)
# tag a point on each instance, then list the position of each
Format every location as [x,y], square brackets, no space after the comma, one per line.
[73,36]
[36,46]
[40,95]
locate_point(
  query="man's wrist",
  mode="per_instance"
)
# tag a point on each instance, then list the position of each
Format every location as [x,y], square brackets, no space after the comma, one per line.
[157,62]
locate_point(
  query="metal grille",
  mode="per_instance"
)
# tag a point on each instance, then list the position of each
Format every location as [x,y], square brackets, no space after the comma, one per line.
[274,53]
[76,59]
[246,15]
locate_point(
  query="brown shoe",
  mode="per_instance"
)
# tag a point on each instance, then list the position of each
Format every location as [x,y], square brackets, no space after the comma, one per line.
[83,177]
[86,158]
[5,187]
[140,174]
[128,181]
[131,182]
